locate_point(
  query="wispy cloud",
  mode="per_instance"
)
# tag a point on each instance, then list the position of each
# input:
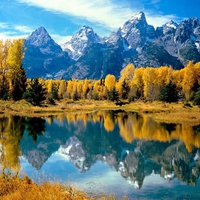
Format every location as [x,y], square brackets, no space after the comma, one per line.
[23,29]
[10,31]
[11,35]
[3,25]
[104,12]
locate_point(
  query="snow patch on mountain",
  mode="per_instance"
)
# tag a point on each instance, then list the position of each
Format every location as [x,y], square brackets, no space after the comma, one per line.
[84,38]
[73,151]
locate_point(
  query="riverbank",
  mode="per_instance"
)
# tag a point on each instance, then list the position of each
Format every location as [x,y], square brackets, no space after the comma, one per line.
[162,112]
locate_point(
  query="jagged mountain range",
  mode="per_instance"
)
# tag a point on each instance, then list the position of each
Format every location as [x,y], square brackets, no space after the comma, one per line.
[87,55]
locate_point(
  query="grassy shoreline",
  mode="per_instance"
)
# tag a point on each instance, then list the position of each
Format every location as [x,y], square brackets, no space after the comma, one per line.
[18,188]
[162,112]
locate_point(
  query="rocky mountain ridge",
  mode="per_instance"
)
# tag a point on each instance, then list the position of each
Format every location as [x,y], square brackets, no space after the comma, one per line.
[87,55]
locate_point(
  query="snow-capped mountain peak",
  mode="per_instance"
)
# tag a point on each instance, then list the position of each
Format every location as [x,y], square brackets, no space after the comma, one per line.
[136,22]
[171,24]
[83,38]
[39,37]
[138,16]
[169,27]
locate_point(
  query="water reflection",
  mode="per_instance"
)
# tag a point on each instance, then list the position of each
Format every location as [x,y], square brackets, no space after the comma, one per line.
[133,145]
[12,129]
[35,127]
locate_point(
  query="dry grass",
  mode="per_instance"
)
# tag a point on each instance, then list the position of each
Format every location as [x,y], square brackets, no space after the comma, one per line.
[16,188]
[168,112]
[164,112]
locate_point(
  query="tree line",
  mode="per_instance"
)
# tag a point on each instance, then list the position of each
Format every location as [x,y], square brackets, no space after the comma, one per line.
[149,84]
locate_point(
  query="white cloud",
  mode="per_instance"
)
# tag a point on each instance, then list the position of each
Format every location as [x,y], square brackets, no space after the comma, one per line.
[23,29]
[3,25]
[106,15]
[103,12]
[10,31]
[10,35]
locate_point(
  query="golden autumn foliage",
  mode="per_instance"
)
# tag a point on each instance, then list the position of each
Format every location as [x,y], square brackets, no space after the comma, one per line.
[133,83]
[137,81]
[128,72]
[110,81]
[188,80]
[12,75]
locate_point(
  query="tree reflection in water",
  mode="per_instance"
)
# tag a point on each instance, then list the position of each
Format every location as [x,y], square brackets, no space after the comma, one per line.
[35,127]
[134,145]
[12,129]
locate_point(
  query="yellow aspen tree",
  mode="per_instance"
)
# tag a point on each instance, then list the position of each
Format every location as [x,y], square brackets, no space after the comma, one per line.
[188,80]
[49,86]
[79,88]
[197,73]
[151,90]
[96,89]
[1,53]
[4,87]
[128,72]
[123,85]
[74,94]
[4,46]
[85,88]
[118,86]
[177,77]
[133,91]
[138,81]
[164,75]
[16,74]
[62,89]
[110,81]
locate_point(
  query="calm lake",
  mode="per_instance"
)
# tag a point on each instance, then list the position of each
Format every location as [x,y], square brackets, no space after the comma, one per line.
[106,151]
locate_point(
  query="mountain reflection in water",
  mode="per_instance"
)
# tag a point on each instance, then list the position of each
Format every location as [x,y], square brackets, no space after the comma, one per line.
[134,146]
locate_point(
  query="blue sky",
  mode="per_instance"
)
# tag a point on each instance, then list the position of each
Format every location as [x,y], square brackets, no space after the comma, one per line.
[62,18]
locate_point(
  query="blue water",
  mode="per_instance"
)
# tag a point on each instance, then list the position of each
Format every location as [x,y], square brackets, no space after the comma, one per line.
[106,156]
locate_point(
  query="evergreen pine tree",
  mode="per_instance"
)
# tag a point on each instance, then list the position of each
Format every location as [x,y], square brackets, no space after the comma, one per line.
[113,95]
[169,93]
[36,93]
